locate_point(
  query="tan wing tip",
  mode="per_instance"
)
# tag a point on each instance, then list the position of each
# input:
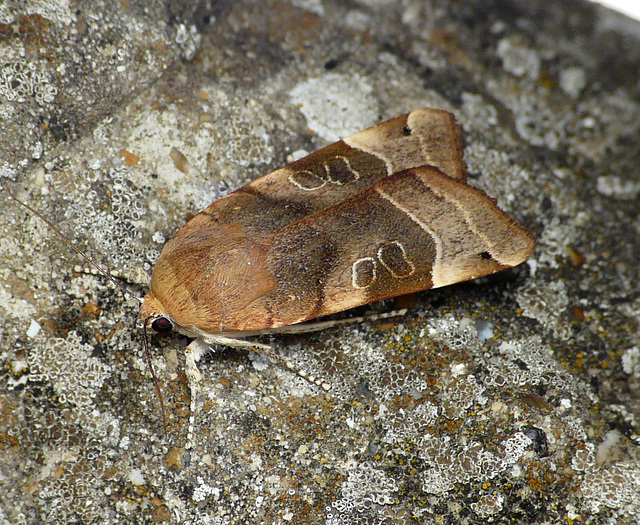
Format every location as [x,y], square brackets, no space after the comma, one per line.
[515,248]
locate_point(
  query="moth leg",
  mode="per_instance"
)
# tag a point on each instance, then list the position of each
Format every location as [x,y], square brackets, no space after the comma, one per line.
[193,353]
[324,325]
[317,327]
[298,371]
[267,350]
[199,347]
[137,276]
[236,343]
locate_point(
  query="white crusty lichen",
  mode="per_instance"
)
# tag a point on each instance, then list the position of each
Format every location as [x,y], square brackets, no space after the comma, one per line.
[365,488]
[20,80]
[67,365]
[336,105]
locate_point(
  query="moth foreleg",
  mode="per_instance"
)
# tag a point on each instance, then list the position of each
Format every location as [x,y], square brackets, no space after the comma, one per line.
[267,350]
[198,347]
[136,276]
[194,351]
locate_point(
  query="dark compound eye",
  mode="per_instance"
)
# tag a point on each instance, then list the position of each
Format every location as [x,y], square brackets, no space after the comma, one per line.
[162,325]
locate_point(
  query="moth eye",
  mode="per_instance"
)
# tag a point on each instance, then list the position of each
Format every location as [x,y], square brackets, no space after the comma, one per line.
[486,256]
[162,325]
[406,130]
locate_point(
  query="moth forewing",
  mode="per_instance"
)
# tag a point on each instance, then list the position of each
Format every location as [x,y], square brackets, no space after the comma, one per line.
[210,276]
[412,231]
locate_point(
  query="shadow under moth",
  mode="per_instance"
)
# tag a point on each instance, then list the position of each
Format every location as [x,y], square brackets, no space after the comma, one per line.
[382,213]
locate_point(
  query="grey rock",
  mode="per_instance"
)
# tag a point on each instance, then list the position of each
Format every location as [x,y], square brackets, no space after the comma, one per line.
[118,124]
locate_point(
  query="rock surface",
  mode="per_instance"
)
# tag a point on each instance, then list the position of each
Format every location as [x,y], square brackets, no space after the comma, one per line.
[514,399]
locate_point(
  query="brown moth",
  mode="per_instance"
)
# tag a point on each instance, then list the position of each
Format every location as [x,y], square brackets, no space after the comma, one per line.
[382,213]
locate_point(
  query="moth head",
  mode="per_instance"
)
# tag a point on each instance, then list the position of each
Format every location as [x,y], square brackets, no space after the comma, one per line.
[152,315]
[169,305]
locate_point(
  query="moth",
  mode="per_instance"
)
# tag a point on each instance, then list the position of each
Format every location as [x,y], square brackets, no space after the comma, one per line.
[382,213]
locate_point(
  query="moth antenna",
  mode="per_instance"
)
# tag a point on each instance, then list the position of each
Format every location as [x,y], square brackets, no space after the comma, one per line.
[113,280]
[153,375]
[73,246]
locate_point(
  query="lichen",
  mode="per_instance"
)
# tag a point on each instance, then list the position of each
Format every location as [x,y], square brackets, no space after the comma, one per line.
[336,105]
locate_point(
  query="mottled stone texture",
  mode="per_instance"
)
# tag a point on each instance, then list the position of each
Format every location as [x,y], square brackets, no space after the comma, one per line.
[513,399]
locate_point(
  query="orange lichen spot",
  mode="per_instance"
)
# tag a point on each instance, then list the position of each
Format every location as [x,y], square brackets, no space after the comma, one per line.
[130,159]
